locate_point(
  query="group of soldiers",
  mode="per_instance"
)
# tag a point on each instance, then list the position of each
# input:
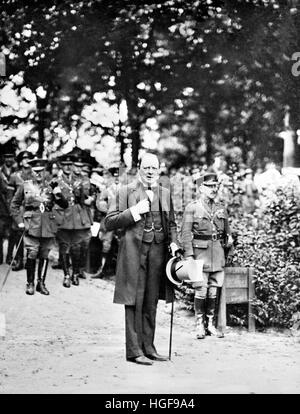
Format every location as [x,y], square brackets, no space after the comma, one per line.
[45,204]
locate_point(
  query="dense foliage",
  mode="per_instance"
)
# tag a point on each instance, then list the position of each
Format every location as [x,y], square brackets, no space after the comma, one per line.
[212,74]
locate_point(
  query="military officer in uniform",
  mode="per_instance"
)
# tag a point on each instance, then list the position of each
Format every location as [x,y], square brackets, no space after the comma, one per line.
[205,235]
[75,222]
[6,170]
[38,220]
[17,179]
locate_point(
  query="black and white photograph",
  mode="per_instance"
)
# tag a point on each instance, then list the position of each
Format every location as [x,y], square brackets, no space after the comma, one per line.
[150,200]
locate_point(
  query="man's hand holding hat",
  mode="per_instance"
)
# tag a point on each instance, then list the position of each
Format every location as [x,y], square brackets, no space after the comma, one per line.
[175,250]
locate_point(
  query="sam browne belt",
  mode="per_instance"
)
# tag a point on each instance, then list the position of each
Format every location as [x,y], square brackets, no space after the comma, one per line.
[213,237]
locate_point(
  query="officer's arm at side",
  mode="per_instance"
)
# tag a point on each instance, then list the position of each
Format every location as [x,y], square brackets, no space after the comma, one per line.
[186,231]
[16,203]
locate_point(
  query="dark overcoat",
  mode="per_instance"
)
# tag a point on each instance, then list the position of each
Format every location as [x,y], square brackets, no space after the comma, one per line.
[128,263]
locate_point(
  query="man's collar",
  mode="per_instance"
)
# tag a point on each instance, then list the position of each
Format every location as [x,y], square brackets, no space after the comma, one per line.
[147,186]
[206,199]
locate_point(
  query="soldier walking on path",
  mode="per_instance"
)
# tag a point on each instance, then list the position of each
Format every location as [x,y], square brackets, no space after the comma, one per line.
[75,222]
[205,235]
[39,221]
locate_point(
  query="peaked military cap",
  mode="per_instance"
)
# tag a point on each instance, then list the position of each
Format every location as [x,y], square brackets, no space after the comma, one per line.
[22,155]
[208,179]
[65,159]
[38,164]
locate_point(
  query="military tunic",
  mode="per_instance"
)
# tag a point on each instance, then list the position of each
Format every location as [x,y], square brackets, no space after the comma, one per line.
[38,215]
[205,230]
[75,222]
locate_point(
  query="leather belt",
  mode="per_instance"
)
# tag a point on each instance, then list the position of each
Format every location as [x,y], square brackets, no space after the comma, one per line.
[213,237]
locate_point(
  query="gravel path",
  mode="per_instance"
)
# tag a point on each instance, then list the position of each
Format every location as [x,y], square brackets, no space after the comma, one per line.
[73,342]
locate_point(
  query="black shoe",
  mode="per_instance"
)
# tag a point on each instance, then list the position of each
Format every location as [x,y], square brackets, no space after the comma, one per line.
[17,266]
[81,275]
[30,289]
[75,279]
[156,357]
[40,287]
[8,260]
[67,281]
[142,360]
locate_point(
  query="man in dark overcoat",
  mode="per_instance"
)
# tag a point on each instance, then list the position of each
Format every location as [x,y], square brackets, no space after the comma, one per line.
[144,210]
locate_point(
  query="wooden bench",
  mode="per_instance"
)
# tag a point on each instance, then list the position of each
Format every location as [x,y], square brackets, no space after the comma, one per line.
[237,288]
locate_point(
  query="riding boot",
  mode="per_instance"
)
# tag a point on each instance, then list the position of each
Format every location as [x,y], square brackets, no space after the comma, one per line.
[75,257]
[199,306]
[83,261]
[65,266]
[42,272]
[211,314]
[30,267]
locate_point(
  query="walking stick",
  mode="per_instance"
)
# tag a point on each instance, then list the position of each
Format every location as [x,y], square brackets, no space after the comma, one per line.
[177,254]
[13,259]
[171,324]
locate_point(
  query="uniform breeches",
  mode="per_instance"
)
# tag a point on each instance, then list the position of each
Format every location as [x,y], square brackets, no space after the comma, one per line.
[211,281]
[140,319]
[68,239]
[76,243]
[38,246]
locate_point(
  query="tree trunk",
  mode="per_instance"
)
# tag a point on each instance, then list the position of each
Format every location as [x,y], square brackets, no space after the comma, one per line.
[41,105]
[289,141]
[208,137]
[122,144]
[135,145]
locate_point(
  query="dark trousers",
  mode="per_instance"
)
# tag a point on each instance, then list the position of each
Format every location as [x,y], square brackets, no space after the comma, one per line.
[75,242]
[140,319]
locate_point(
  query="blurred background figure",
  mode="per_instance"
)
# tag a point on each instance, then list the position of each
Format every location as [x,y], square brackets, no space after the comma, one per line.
[6,170]
[250,197]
